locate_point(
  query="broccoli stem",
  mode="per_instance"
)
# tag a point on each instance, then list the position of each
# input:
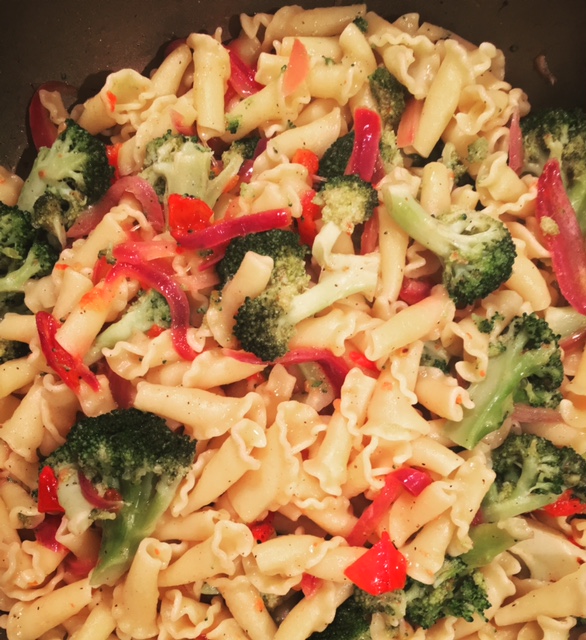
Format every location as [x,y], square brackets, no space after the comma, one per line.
[493,396]
[144,503]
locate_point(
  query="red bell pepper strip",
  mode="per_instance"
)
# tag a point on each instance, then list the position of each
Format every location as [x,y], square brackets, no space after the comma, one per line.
[48,501]
[565,505]
[68,367]
[310,585]
[188,214]
[43,130]
[242,75]
[381,569]
[333,366]
[407,478]
[297,68]
[562,236]
[153,278]
[310,213]
[365,152]
[113,153]
[46,532]
[516,153]
[222,232]
[409,123]
[362,361]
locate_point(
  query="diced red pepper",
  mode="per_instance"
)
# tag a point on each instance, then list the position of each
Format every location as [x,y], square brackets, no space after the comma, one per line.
[71,369]
[263,530]
[307,159]
[112,99]
[310,585]
[365,152]
[381,569]
[362,361]
[188,214]
[101,269]
[565,505]
[47,493]
[310,213]
[413,291]
[242,75]
[562,235]
[113,153]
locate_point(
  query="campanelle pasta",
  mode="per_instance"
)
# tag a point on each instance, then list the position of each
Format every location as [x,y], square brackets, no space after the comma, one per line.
[259,537]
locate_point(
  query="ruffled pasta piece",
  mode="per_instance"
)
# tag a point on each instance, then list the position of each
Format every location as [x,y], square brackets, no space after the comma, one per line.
[136,600]
[245,604]
[217,555]
[184,617]
[441,394]
[205,414]
[528,281]
[30,620]
[559,599]
[10,187]
[228,464]
[270,485]
[421,321]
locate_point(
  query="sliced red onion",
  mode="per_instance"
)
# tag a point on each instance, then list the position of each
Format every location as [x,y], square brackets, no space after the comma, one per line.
[516,154]
[43,131]
[242,76]
[90,493]
[46,531]
[365,152]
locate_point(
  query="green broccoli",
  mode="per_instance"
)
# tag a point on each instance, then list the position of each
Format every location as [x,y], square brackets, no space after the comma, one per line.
[243,149]
[531,472]
[488,541]
[66,179]
[149,309]
[458,590]
[175,163]
[38,263]
[279,244]
[16,237]
[560,133]
[435,355]
[476,250]
[389,95]
[130,453]
[354,615]
[347,201]
[265,324]
[525,367]
[12,350]
[362,23]
[336,157]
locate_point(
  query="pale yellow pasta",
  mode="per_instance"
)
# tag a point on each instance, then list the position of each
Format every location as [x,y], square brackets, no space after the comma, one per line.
[204,413]
[217,555]
[528,281]
[30,620]
[211,72]
[441,394]
[436,188]
[18,373]
[167,77]
[23,431]
[135,601]
[99,624]
[186,617]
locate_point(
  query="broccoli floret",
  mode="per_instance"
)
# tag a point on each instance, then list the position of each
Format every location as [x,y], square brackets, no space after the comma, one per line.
[65,179]
[531,472]
[362,23]
[233,123]
[279,244]
[265,324]
[389,95]
[16,237]
[525,367]
[148,310]
[131,453]
[11,350]
[435,355]
[336,157]
[476,250]
[559,133]
[354,615]
[242,149]
[458,590]
[175,163]
[488,541]
[38,263]
[347,201]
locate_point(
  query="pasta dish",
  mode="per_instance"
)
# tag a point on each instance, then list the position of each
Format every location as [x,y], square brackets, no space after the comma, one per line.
[292,345]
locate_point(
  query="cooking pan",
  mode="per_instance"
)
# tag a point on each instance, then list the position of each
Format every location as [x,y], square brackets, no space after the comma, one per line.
[80,42]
